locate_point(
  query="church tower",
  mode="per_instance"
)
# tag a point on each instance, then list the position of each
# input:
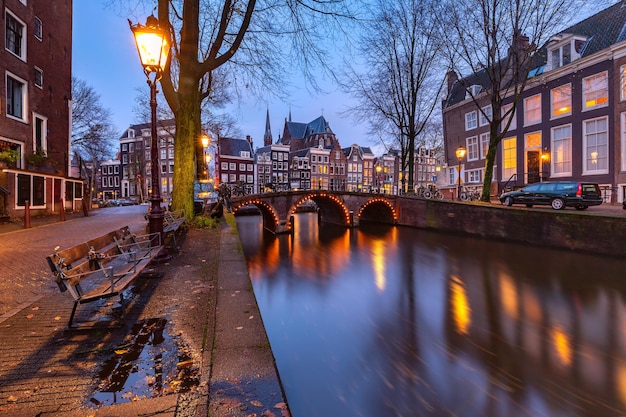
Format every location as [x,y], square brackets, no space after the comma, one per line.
[267,138]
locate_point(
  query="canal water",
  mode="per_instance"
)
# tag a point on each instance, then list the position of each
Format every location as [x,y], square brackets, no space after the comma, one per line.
[389,321]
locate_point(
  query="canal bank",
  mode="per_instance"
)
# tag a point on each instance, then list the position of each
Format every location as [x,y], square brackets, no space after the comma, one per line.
[601,232]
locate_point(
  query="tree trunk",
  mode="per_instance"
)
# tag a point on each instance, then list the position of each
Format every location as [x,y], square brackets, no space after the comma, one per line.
[184,153]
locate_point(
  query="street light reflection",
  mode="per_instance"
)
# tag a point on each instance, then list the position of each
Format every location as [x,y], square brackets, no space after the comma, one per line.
[378,264]
[562,345]
[461,311]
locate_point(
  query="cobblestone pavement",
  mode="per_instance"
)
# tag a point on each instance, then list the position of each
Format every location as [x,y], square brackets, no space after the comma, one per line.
[203,295]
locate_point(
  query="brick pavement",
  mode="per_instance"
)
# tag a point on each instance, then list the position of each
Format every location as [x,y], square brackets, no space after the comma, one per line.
[205,296]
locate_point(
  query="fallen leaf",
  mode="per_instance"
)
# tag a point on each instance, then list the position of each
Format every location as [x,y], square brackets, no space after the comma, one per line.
[12,399]
[35,308]
[239,327]
[121,351]
[30,316]
[256,403]
[57,318]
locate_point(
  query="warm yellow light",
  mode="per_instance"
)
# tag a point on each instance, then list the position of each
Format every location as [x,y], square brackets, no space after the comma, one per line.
[562,345]
[460,152]
[152,45]
[205,141]
[461,311]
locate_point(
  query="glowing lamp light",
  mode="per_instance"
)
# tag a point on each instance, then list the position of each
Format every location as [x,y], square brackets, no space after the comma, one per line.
[152,44]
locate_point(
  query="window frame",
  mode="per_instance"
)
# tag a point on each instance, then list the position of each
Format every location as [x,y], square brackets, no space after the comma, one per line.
[38,28]
[554,160]
[585,92]
[44,131]
[24,97]
[482,120]
[471,120]
[22,41]
[586,146]
[527,100]
[473,149]
[509,157]
[565,104]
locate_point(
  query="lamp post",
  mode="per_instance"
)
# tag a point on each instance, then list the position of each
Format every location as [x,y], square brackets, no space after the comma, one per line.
[460,153]
[153,47]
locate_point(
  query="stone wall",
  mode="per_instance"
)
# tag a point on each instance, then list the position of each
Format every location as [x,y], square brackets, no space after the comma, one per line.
[567,229]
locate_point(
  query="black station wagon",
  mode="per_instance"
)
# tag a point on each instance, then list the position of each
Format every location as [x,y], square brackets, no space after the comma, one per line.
[558,194]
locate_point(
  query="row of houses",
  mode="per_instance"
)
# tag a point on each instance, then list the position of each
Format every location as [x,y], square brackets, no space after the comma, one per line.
[570,122]
[306,156]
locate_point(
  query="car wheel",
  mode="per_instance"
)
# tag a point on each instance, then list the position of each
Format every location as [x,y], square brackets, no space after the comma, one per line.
[581,207]
[508,201]
[558,203]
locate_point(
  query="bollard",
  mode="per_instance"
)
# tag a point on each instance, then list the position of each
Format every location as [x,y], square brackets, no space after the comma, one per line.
[27,214]
[62,210]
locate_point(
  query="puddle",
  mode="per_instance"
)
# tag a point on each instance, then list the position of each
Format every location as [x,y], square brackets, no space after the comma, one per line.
[150,363]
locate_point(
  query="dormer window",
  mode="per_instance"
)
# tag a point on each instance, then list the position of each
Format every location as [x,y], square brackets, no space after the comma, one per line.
[473,91]
[131,133]
[564,49]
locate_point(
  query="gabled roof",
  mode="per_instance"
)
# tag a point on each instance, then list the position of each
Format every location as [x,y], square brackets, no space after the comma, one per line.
[142,126]
[601,30]
[234,147]
[297,130]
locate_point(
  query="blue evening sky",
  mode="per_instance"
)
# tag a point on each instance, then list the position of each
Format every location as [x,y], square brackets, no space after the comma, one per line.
[105,56]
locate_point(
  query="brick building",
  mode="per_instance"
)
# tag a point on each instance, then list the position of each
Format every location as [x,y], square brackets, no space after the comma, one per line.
[36,63]
[570,123]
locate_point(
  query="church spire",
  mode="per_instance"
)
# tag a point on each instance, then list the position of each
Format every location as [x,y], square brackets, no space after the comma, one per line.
[267,138]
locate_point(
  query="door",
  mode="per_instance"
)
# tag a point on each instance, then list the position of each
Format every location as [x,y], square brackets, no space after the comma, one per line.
[533,161]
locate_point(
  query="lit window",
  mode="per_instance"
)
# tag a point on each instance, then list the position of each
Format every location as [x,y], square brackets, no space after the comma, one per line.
[532,110]
[561,157]
[509,157]
[595,91]
[596,145]
[562,101]
[471,121]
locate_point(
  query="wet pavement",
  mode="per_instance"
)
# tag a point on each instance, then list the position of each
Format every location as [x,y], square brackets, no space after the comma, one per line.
[193,340]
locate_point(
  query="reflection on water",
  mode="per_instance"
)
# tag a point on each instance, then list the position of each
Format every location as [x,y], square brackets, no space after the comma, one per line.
[385,321]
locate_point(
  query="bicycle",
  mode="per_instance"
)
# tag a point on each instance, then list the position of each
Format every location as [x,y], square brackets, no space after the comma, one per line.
[469,195]
[433,192]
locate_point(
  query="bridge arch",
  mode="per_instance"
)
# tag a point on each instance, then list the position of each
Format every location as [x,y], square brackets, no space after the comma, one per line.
[331,208]
[378,209]
[271,220]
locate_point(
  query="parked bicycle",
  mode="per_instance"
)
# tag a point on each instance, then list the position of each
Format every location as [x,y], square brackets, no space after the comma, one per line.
[432,192]
[469,195]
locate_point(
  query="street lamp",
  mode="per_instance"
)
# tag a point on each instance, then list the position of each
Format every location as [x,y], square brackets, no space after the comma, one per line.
[378,177]
[153,47]
[460,153]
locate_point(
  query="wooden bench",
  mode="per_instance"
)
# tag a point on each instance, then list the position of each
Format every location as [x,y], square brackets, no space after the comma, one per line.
[172,223]
[102,267]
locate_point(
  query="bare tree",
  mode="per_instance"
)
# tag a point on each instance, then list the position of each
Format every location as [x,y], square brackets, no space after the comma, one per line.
[492,44]
[399,84]
[253,41]
[93,133]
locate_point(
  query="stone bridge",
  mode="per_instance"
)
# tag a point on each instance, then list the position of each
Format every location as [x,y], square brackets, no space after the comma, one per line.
[338,207]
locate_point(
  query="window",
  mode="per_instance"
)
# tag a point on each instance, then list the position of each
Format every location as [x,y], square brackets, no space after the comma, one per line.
[509,158]
[170,153]
[251,167]
[15,41]
[532,110]
[561,56]
[561,101]
[623,140]
[596,146]
[38,28]
[472,148]
[32,188]
[232,166]
[595,91]
[242,166]
[38,79]
[622,82]
[40,130]
[224,166]
[475,175]
[484,145]
[131,147]
[485,115]
[561,156]
[16,97]
[533,140]
[470,120]
[508,113]
[163,154]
